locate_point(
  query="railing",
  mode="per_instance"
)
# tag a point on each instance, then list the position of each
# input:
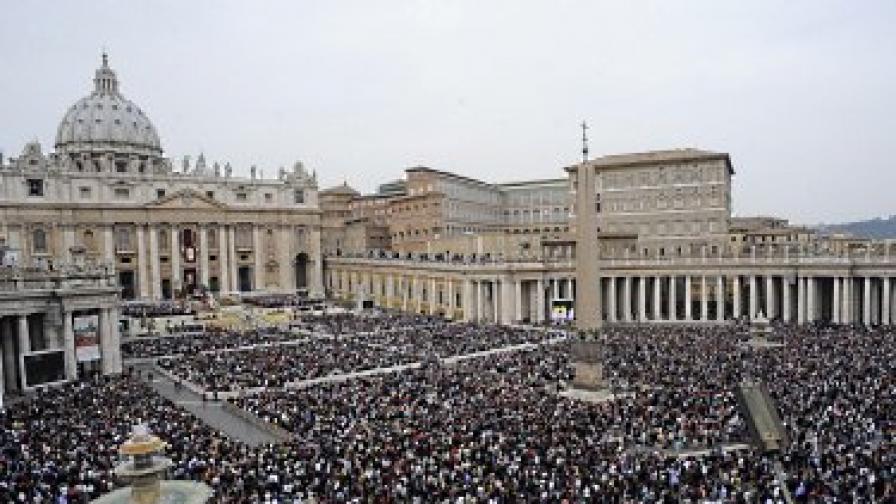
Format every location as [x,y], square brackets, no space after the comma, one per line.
[14,278]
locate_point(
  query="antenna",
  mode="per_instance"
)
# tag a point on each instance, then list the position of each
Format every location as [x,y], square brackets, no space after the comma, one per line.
[584,141]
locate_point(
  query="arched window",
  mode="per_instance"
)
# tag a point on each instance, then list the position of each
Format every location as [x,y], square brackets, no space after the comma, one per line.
[39,241]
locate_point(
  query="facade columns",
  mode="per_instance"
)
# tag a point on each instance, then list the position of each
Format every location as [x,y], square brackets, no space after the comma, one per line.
[175,261]
[836,304]
[704,300]
[467,301]
[811,300]
[735,287]
[770,297]
[627,302]
[885,302]
[539,300]
[801,301]
[519,301]
[642,299]
[688,308]
[259,259]
[143,280]
[231,252]
[786,300]
[109,247]
[223,260]
[673,303]
[203,256]
[449,287]
[611,301]
[68,343]
[720,299]
[496,292]
[155,273]
[480,301]
[754,297]
[866,303]
[556,288]
[432,296]
[24,347]
[657,294]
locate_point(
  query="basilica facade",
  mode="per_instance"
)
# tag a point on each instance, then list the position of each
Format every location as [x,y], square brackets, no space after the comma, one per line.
[107,195]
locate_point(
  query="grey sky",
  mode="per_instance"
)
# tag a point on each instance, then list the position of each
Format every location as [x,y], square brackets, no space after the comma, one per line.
[800,93]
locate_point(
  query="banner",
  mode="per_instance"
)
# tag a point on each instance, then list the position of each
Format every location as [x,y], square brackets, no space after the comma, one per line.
[562,310]
[86,329]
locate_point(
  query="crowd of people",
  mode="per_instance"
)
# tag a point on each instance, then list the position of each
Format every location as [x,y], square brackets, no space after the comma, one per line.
[494,429]
[335,345]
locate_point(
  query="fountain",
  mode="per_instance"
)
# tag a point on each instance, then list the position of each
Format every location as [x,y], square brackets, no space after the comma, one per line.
[143,471]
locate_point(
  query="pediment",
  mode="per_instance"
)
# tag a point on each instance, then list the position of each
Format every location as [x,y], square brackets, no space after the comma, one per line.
[187,199]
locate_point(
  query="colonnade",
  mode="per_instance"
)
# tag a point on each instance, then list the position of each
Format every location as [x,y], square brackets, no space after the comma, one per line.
[36,334]
[499,294]
[799,299]
[222,257]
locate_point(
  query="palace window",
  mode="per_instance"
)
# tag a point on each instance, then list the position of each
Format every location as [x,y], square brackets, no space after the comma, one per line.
[84,191]
[122,239]
[39,241]
[241,196]
[35,187]
[268,197]
[122,193]
[299,197]
[160,193]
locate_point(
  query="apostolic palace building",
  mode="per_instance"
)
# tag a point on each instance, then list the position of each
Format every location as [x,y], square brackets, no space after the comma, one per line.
[107,217]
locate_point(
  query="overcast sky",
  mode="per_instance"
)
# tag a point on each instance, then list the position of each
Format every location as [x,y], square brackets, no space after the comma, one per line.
[801,94]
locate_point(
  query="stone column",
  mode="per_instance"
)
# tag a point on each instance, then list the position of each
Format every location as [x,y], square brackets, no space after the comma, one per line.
[467,301]
[155,272]
[480,301]
[866,303]
[657,295]
[3,337]
[735,287]
[885,302]
[810,299]
[10,359]
[109,247]
[720,299]
[556,288]
[570,290]
[109,341]
[24,347]
[316,280]
[642,299]
[432,298]
[786,299]
[68,339]
[143,280]
[223,260]
[449,287]
[673,302]
[258,253]
[770,297]
[203,255]
[496,291]
[627,302]
[234,276]
[836,305]
[704,300]
[754,297]
[800,301]
[539,299]
[175,260]
[518,297]
[68,241]
[688,309]
[285,261]
[611,303]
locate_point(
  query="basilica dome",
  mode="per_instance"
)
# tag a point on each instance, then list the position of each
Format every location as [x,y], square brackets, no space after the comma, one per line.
[107,122]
